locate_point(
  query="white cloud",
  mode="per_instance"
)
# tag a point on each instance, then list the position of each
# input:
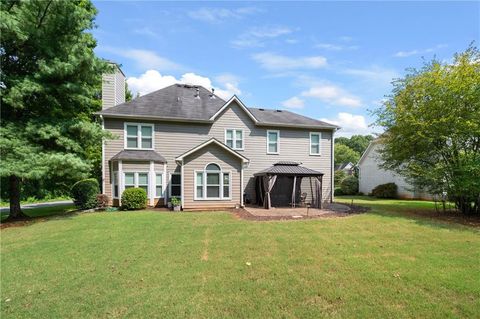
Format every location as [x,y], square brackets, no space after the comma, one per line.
[294,103]
[144,59]
[219,15]
[332,94]
[255,37]
[350,124]
[335,47]
[404,54]
[152,80]
[276,62]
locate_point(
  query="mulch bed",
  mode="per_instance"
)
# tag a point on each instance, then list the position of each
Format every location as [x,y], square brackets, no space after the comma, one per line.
[245,214]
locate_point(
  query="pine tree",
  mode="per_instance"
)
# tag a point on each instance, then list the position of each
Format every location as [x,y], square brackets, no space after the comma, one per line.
[50,80]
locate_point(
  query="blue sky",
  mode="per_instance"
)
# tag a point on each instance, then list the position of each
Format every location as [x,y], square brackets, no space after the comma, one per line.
[326,60]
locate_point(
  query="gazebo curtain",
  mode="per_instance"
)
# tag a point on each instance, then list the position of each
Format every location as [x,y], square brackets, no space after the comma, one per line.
[317,199]
[268,183]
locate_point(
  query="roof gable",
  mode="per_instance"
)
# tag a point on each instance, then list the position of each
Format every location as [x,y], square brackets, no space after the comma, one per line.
[228,104]
[216,142]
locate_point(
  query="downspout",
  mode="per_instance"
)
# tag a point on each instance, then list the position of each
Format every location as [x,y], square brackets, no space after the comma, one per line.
[181,186]
[103,157]
[332,158]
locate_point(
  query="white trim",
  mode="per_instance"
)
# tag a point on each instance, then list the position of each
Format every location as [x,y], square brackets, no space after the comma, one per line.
[278,142]
[139,135]
[367,150]
[319,143]
[234,138]
[236,99]
[241,187]
[182,182]
[332,169]
[121,187]
[152,187]
[163,184]
[103,157]
[204,184]
[210,141]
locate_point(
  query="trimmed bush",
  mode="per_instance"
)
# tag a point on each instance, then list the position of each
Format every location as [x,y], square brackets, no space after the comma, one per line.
[102,200]
[134,198]
[84,193]
[388,190]
[349,185]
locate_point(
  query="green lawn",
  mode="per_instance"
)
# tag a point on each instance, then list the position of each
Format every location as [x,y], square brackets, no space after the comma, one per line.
[380,264]
[43,211]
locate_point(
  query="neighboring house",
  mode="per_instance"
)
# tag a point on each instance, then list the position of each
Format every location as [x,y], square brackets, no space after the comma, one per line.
[187,142]
[348,168]
[371,175]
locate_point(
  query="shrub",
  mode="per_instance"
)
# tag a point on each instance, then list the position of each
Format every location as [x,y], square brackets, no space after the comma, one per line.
[102,200]
[175,201]
[134,198]
[84,193]
[339,176]
[388,190]
[338,192]
[349,185]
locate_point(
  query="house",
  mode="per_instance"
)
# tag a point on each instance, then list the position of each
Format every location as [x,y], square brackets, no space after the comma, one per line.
[185,141]
[348,168]
[371,175]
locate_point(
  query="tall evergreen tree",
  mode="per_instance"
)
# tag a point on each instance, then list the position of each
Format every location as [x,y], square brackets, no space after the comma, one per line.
[50,80]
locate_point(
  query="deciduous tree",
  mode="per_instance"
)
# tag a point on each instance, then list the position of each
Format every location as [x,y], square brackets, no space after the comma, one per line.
[432,129]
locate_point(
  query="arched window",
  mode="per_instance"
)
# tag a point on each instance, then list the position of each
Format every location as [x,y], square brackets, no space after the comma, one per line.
[212,183]
[212,167]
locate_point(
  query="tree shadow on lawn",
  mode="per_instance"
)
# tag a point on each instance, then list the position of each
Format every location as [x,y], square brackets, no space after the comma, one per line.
[42,214]
[427,217]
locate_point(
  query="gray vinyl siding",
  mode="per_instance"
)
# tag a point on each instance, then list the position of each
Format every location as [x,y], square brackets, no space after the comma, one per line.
[197,162]
[113,89]
[172,139]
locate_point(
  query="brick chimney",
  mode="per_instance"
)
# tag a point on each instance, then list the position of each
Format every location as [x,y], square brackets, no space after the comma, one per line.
[113,87]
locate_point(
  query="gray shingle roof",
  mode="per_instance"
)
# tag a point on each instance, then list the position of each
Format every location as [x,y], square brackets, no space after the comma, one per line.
[139,155]
[175,101]
[269,116]
[179,102]
[288,170]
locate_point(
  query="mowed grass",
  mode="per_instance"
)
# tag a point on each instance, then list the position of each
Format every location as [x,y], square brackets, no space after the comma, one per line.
[57,209]
[213,265]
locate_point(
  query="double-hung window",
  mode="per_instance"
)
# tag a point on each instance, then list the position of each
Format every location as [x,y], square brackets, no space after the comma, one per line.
[315,139]
[273,142]
[234,138]
[212,183]
[115,184]
[136,179]
[138,136]
[158,185]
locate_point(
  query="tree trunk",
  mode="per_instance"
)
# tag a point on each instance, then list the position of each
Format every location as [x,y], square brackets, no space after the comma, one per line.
[15,209]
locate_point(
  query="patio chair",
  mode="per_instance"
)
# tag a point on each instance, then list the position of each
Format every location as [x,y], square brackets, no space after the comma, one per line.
[301,202]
